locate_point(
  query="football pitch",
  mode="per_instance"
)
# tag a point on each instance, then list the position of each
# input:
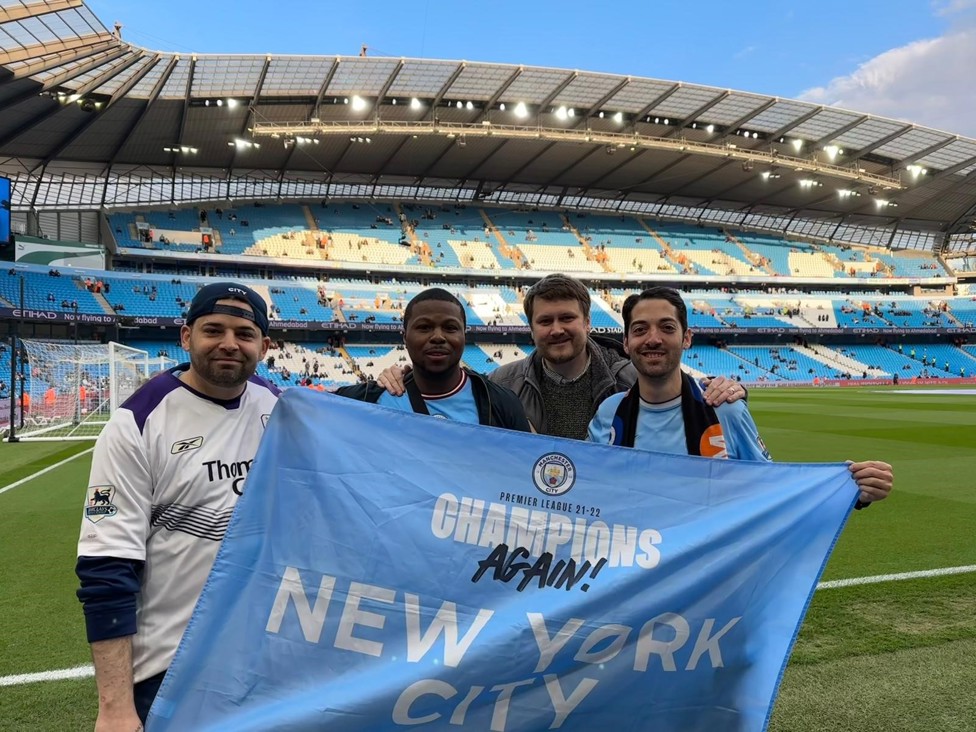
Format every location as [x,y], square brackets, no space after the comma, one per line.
[890,656]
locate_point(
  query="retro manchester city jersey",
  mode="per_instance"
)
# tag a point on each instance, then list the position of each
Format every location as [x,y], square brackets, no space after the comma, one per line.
[166,474]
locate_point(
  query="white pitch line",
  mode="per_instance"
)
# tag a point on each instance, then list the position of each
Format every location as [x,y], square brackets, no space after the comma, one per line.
[48,469]
[79,672]
[878,578]
[82,672]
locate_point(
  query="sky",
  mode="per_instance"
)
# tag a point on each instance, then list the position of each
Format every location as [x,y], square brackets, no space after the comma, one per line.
[912,60]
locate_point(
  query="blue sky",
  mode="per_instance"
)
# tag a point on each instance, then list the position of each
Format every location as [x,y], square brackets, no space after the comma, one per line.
[909,59]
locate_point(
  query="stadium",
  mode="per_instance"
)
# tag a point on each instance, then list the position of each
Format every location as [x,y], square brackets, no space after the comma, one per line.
[827,257]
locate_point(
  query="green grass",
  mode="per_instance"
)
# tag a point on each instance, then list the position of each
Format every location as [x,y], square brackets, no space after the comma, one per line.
[893,657]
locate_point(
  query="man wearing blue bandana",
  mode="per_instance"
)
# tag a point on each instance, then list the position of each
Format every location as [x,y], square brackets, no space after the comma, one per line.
[665,410]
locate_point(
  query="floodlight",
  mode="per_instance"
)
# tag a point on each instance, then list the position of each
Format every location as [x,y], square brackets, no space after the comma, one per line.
[797,144]
[561,113]
[832,151]
[710,129]
[618,117]
[469,105]
[232,103]
[521,111]
[358,103]
[415,103]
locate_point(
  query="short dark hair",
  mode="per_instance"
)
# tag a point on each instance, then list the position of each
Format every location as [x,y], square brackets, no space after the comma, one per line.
[433,293]
[557,287]
[656,293]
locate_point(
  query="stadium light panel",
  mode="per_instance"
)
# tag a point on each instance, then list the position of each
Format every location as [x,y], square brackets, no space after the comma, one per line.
[415,103]
[358,104]
[561,113]
[797,144]
[916,171]
[469,105]
[459,104]
[710,129]
[618,117]
[232,104]
[832,152]
[521,111]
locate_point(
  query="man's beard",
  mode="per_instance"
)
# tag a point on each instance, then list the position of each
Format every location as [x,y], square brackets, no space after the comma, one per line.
[220,375]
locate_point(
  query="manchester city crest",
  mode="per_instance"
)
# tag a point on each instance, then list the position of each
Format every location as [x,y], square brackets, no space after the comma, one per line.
[99,504]
[554,474]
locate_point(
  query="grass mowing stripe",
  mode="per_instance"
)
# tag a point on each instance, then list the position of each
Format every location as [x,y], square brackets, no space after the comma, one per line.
[855,581]
[42,471]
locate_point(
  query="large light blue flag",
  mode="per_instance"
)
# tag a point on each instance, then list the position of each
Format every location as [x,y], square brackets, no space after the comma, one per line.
[389,571]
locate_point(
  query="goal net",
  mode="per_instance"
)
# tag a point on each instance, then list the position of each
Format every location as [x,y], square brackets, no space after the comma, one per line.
[73,388]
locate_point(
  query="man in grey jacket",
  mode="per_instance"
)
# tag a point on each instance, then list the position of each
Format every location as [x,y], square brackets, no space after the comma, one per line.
[569,374]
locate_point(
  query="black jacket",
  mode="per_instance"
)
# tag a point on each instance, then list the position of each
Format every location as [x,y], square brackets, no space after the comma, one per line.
[497,406]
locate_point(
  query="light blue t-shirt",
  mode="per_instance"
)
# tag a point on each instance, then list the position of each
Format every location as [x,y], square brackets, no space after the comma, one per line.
[458,404]
[661,428]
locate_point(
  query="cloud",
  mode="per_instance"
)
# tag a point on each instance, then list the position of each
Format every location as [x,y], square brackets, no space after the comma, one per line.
[747,51]
[928,82]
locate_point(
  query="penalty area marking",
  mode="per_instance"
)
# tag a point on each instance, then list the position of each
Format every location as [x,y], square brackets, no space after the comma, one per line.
[48,469]
[82,672]
[79,672]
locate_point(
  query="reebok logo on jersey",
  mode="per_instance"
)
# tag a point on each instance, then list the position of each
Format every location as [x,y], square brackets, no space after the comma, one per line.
[186,445]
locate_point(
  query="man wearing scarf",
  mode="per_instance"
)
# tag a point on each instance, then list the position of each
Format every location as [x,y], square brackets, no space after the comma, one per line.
[665,410]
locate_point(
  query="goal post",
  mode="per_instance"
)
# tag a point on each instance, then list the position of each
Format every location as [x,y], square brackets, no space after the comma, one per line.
[71,389]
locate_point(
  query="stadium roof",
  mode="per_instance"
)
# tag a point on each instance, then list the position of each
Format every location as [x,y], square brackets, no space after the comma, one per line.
[83,107]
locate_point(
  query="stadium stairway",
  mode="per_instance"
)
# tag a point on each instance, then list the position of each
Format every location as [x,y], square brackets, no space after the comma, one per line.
[99,298]
[587,248]
[505,248]
[750,255]
[837,360]
[313,225]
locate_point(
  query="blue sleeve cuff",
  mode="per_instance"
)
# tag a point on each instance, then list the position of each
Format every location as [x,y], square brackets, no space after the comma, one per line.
[109,586]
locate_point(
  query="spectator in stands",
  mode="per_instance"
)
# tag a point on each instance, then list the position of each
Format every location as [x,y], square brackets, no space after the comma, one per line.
[666,410]
[567,376]
[153,520]
[433,331]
